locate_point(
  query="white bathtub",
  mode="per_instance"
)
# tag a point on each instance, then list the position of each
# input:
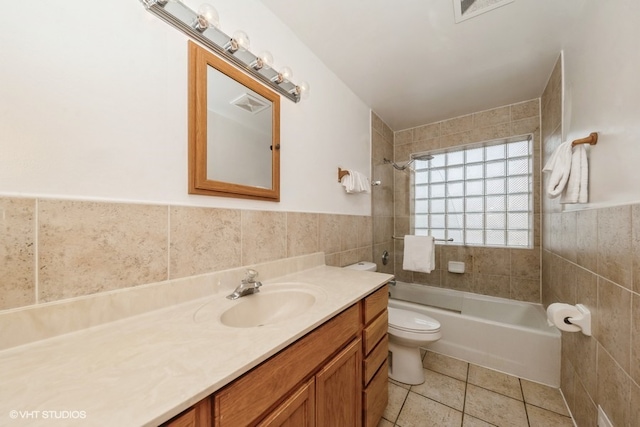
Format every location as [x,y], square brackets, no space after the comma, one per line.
[502,334]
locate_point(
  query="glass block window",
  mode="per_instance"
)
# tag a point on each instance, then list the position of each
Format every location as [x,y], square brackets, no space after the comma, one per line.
[477,195]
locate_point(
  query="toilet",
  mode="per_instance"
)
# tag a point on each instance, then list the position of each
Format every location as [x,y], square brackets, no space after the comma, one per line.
[408,331]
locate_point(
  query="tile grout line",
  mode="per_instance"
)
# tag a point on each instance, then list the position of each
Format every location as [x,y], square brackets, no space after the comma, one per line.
[464,400]
[395,422]
[524,402]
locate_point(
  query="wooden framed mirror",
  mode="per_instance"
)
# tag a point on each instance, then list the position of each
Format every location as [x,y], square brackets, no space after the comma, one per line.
[234,131]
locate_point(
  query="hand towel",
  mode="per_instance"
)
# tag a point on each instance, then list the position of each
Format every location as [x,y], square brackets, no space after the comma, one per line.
[576,190]
[419,254]
[355,182]
[560,167]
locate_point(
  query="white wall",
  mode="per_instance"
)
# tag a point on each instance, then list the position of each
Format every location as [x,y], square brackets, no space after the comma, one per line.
[93,105]
[602,94]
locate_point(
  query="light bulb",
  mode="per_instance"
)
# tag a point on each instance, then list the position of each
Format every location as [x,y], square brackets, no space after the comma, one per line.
[302,89]
[285,74]
[267,59]
[240,41]
[210,14]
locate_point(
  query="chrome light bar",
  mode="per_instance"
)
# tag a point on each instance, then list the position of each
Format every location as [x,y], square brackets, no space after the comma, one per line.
[179,16]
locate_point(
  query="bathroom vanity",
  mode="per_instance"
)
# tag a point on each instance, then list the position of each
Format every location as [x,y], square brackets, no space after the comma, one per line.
[334,376]
[188,355]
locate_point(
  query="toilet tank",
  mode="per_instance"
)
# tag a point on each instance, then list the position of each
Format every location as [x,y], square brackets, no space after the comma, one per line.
[363,266]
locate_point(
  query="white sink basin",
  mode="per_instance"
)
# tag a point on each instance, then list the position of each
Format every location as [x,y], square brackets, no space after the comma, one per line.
[274,303]
[267,308]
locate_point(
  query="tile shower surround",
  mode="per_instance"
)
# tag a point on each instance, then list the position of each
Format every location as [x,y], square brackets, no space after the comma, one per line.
[382,195]
[593,257]
[52,250]
[501,272]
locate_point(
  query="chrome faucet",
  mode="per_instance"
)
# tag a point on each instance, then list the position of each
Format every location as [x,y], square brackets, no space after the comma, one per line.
[248,285]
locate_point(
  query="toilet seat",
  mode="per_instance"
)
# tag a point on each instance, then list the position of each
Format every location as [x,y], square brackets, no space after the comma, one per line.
[409,321]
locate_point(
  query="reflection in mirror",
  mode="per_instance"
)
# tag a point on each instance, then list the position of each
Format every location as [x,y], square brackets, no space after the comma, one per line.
[233,131]
[238,132]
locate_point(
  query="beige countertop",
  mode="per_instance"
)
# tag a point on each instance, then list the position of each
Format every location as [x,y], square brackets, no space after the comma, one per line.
[145,369]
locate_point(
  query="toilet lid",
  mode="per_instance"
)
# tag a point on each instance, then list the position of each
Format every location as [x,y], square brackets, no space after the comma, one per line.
[411,321]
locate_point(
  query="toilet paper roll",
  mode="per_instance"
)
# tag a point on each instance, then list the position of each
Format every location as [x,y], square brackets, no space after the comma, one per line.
[558,312]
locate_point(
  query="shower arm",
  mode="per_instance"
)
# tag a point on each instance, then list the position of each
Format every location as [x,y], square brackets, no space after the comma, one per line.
[398,167]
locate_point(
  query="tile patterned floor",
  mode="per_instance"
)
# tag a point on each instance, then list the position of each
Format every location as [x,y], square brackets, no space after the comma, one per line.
[460,394]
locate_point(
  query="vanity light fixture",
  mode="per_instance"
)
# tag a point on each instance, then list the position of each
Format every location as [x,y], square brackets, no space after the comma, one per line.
[203,26]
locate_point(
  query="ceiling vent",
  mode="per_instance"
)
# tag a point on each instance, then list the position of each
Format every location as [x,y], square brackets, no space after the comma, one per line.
[466,9]
[250,103]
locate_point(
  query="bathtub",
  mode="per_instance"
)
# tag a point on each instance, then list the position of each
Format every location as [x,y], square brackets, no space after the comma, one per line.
[501,334]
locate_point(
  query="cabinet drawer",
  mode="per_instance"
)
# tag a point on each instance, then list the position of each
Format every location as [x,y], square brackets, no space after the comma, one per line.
[377,357]
[375,331]
[249,397]
[375,397]
[375,304]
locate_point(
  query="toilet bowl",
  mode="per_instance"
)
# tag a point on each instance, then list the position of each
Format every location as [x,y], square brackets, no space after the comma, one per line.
[408,331]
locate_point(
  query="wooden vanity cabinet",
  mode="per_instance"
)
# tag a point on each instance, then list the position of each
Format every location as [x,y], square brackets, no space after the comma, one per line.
[330,355]
[375,348]
[334,376]
[330,398]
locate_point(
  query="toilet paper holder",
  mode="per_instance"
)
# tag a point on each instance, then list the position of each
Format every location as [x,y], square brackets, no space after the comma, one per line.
[581,320]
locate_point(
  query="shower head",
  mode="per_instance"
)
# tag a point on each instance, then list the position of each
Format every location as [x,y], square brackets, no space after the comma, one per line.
[414,157]
[421,157]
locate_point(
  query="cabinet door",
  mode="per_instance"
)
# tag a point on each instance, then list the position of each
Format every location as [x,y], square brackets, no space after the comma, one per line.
[339,388]
[199,415]
[297,411]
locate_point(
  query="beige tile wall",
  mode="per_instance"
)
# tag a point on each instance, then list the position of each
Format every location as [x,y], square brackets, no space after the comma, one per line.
[592,257]
[56,249]
[502,272]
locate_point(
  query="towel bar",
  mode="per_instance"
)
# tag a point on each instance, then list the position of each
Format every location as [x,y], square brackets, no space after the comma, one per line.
[343,172]
[450,239]
[592,139]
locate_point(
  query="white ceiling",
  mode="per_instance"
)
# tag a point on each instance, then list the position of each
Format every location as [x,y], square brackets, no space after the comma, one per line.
[412,64]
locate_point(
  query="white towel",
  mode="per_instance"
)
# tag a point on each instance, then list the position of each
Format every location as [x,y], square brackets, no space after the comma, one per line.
[560,167]
[569,174]
[577,186]
[419,254]
[355,182]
